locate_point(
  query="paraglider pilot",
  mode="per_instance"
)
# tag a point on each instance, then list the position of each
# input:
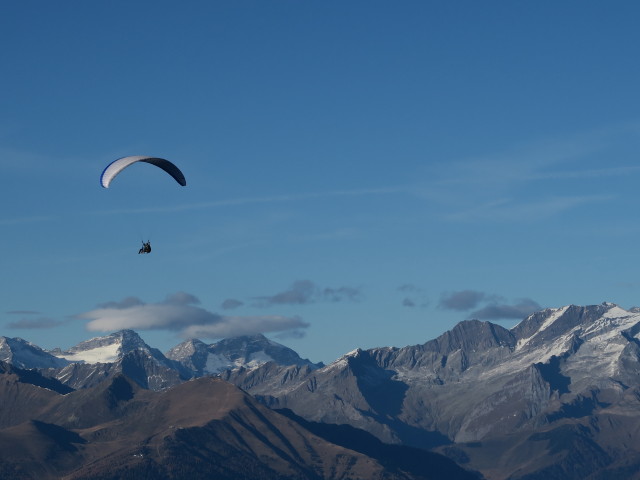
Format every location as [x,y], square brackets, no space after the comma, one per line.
[146,247]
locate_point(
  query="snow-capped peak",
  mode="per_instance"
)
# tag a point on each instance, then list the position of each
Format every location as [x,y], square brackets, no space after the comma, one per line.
[186,348]
[543,326]
[23,354]
[107,349]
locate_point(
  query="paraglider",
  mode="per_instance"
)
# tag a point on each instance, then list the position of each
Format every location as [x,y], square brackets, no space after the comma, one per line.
[115,167]
[146,247]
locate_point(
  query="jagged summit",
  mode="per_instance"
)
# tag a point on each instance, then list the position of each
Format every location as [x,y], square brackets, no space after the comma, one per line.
[472,335]
[554,324]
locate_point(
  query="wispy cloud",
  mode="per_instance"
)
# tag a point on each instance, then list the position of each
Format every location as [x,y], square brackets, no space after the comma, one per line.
[461,300]
[529,182]
[35,323]
[31,322]
[231,202]
[234,326]
[518,209]
[28,219]
[304,292]
[414,296]
[589,173]
[231,303]
[179,313]
[12,160]
[495,306]
[501,311]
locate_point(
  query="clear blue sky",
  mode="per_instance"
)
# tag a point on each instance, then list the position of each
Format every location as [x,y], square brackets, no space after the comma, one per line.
[360,173]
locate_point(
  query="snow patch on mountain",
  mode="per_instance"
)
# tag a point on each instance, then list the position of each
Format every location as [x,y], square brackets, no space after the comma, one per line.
[107,349]
[555,315]
[590,348]
[104,354]
[216,363]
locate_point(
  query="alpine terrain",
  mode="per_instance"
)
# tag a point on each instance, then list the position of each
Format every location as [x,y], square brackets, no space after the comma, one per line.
[555,397]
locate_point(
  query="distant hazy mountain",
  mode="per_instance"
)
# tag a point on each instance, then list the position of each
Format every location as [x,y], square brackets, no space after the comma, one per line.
[237,352]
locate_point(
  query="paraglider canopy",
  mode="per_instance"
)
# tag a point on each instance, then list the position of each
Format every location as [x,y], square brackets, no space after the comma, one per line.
[115,167]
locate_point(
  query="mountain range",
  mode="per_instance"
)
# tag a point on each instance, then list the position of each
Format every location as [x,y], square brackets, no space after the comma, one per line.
[555,397]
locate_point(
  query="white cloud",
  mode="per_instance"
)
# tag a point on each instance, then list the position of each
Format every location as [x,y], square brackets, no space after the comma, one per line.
[231,202]
[517,209]
[495,307]
[178,313]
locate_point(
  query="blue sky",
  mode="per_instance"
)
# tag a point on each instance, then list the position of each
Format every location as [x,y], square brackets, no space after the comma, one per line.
[359,173]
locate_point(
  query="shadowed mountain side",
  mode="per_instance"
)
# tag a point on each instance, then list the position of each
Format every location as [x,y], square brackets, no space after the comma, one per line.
[596,447]
[396,458]
[38,449]
[209,427]
[204,428]
[23,395]
[32,377]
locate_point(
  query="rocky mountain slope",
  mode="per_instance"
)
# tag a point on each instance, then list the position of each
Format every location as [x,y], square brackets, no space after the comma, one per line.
[205,428]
